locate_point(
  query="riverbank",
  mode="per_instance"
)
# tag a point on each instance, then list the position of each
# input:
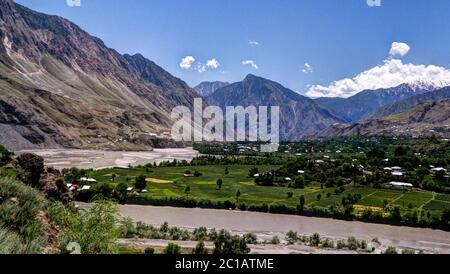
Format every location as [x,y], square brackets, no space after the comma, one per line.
[265,226]
[101,159]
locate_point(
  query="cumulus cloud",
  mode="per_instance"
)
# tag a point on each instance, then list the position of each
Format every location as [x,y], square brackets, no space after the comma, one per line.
[213,64]
[307,68]
[251,63]
[254,43]
[392,73]
[186,62]
[399,49]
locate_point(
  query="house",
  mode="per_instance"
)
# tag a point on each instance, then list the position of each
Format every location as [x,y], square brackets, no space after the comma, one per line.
[301,172]
[400,185]
[89,180]
[396,168]
[387,169]
[397,173]
[85,188]
[287,179]
[438,169]
[256,175]
[129,189]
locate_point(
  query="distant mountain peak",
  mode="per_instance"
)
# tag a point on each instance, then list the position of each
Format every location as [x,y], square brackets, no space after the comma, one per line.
[207,88]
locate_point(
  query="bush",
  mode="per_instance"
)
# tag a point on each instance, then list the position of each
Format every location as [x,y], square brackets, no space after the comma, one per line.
[226,244]
[198,174]
[250,238]
[94,230]
[172,249]
[291,237]
[149,250]
[275,240]
[200,249]
[391,250]
[32,168]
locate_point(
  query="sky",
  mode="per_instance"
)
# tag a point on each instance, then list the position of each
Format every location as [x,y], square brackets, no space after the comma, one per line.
[315,47]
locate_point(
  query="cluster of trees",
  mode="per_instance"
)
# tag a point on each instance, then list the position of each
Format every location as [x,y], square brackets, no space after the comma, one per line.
[224,241]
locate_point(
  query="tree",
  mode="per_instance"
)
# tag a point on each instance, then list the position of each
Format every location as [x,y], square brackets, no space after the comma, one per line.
[299,182]
[140,183]
[32,168]
[227,244]
[113,177]
[200,249]
[5,156]
[446,217]
[172,249]
[252,172]
[198,174]
[302,202]
[238,194]
[149,250]
[121,192]
[187,190]
[227,171]
[219,183]
[319,197]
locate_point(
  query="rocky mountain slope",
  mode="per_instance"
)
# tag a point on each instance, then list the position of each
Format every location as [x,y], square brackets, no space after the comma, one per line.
[299,117]
[410,103]
[207,88]
[355,108]
[427,119]
[61,87]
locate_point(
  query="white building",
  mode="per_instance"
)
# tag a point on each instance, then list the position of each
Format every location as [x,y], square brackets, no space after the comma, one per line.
[400,185]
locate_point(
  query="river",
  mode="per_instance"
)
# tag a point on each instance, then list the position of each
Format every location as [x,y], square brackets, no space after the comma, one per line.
[268,225]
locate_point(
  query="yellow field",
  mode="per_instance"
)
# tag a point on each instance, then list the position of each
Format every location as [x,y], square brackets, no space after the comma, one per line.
[157,181]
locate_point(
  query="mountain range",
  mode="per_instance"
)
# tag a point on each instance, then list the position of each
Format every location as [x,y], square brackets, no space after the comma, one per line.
[431,118]
[61,87]
[299,116]
[358,106]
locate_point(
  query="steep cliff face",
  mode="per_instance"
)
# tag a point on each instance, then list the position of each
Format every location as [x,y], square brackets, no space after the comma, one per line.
[61,87]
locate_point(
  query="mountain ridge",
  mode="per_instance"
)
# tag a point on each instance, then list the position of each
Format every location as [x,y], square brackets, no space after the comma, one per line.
[300,116]
[62,87]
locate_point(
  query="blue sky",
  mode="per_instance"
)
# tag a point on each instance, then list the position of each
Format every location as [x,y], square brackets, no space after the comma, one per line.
[337,38]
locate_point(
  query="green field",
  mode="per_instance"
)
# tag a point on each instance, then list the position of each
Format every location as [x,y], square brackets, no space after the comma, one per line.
[170,182]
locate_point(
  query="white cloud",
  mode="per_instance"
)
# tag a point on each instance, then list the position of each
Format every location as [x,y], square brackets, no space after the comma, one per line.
[201,67]
[399,49]
[254,43]
[186,62]
[213,64]
[251,63]
[307,68]
[392,73]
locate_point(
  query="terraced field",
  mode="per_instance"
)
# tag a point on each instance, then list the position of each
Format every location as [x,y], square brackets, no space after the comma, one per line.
[170,182]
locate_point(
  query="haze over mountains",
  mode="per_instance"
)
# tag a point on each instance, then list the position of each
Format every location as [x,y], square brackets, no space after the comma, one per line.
[61,87]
